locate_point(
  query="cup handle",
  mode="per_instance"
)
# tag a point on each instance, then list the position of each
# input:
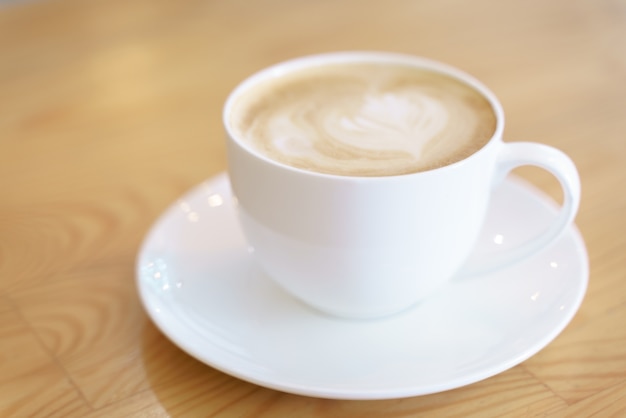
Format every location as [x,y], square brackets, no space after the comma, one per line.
[516,154]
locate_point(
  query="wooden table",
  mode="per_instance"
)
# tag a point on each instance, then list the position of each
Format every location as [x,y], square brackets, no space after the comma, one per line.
[110,110]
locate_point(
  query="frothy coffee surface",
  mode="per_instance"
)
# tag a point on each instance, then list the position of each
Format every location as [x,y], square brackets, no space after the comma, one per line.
[364,119]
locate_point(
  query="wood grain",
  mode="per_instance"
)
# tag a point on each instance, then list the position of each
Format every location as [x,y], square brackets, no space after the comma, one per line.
[110,110]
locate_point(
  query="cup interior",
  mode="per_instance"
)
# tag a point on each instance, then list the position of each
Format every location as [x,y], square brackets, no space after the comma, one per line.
[286,68]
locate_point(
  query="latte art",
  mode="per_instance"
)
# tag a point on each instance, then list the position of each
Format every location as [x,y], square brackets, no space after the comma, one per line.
[364,119]
[406,122]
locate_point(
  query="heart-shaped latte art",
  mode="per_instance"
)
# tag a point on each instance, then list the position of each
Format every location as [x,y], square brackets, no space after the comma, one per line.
[391,122]
[367,120]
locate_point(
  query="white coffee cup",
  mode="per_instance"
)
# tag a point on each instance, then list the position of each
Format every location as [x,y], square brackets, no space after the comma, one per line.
[365,247]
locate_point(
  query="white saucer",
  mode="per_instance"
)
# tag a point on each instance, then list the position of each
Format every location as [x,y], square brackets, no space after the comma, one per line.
[200,286]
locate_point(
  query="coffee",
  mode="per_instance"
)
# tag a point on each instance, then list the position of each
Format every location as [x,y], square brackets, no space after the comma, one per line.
[364,119]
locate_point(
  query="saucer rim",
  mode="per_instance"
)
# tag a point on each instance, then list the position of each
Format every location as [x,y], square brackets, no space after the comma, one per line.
[288,386]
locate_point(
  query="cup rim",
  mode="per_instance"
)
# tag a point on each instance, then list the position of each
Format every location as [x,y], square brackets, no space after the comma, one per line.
[281,68]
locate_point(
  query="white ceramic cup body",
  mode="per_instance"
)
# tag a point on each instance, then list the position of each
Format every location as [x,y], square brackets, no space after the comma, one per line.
[366,247]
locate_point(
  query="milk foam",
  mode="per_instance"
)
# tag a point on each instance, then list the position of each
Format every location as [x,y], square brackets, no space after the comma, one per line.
[386,121]
[365,119]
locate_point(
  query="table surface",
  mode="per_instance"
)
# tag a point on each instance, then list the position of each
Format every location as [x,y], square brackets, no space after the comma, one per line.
[110,110]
